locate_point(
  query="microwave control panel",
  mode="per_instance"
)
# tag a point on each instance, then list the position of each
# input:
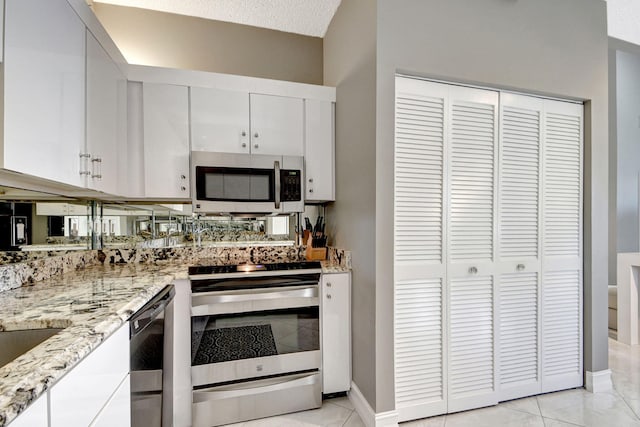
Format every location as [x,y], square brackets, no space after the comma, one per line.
[291,185]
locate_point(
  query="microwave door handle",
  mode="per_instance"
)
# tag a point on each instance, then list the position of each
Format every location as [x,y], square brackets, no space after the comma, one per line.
[276,166]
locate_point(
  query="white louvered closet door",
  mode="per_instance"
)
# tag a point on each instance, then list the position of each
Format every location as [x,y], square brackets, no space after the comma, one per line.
[471,219]
[562,268]
[419,245]
[519,231]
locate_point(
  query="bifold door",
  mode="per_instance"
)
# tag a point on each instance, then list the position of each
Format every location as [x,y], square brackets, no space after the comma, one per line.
[487,248]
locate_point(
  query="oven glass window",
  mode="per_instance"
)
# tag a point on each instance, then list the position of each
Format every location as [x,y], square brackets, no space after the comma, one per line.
[224,338]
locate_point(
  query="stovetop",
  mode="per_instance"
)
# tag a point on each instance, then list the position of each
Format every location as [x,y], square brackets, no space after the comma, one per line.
[251,268]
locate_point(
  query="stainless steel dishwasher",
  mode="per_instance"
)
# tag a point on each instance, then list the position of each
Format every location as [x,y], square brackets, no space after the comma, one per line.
[151,347]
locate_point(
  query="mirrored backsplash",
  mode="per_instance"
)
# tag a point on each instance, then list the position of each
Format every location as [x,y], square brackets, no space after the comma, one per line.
[42,223]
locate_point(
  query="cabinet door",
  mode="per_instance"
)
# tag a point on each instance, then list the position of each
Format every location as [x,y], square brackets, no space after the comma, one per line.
[44,89]
[519,246]
[106,106]
[80,395]
[562,246]
[472,172]
[277,125]
[319,150]
[166,141]
[336,333]
[117,411]
[219,120]
[34,416]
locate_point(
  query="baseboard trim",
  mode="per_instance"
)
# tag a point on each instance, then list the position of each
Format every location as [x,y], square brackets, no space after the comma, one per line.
[368,416]
[599,382]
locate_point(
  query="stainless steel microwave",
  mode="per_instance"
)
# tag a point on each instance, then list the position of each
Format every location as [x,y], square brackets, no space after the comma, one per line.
[245,184]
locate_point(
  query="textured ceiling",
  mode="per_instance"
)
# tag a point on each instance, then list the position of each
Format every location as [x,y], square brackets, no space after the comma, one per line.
[308,17]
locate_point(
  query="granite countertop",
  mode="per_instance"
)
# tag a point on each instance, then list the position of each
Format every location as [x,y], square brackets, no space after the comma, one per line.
[91,304]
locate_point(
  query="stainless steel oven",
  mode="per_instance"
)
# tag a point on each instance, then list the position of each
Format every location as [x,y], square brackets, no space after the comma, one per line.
[255,339]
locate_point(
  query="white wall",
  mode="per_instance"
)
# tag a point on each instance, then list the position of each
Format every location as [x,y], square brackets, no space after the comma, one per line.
[623,20]
[628,149]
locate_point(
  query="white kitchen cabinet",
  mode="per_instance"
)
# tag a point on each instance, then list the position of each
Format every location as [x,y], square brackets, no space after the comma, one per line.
[487,247]
[239,122]
[336,332]
[166,141]
[44,90]
[277,125]
[77,398]
[106,118]
[219,120]
[34,416]
[319,151]
[117,411]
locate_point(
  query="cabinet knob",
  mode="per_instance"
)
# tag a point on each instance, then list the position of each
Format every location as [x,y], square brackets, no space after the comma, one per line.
[311,190]
[328,284]
[520,267]
[255,146]
[310,179]
[244,133]
[183,188]
[244,145]
[183,177]
[328,296]
[473,270]
[255,135]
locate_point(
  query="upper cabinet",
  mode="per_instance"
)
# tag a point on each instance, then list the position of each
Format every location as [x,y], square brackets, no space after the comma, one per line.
[239,122]
[44,90]
[319,151]
[106,119]
[166,141]
[276,125]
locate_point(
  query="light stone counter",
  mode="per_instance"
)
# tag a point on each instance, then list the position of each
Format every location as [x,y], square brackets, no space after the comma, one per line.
[91,304]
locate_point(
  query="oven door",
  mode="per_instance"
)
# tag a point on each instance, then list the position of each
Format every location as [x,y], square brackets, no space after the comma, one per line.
[244,334]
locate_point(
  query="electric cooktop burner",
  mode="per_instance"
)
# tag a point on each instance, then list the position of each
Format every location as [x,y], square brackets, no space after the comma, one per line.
[248,268]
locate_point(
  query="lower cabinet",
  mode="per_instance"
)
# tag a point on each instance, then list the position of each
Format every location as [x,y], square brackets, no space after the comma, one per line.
[117,411]
[336,332]
[96,386]
[34,416]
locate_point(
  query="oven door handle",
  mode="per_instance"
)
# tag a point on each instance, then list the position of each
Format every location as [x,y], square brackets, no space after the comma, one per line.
[213,303]
[266,386]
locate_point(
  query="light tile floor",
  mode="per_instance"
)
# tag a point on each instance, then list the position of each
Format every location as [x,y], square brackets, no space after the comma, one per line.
[570,408]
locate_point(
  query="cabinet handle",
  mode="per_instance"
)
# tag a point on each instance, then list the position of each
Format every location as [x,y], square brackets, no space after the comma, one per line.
[83,164]
[328,296]
[328,284]
[183,188]
[473,270]
[98,176]
[520,267]
[255,146]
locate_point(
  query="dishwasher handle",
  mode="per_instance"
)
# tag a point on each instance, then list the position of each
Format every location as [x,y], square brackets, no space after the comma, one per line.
[151,311]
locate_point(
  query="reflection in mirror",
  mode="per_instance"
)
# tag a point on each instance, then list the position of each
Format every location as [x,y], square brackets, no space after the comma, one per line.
[32,221]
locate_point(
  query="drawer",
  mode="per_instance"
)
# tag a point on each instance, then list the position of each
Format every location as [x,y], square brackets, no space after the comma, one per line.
[256,399]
